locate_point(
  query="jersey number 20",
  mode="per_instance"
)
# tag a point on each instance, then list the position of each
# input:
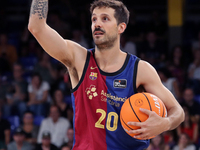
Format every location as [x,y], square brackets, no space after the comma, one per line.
[108,121]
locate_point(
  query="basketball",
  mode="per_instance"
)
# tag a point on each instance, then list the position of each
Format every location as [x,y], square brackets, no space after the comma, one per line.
[130,109]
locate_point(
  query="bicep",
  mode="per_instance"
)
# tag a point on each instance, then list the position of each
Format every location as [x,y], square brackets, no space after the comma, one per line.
[60,49]
[7,132]
[149,79]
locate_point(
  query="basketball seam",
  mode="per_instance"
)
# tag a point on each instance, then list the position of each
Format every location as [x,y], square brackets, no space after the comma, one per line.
[148,101]
[125,123]
[133,110]
[163,111]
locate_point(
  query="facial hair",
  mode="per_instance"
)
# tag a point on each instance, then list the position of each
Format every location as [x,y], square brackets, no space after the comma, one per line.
[106,42]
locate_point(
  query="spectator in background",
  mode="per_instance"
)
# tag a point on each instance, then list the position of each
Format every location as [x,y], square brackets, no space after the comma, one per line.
[184,143]
[30,130]
[194,72]
[70,137]
[170,83]
[127,45]
[189,127]
[78,37]
[59,101]
[4,132]
[7,51]
[176,65]
[56,125]
[191,105]
[135,28]
[63,81]
[65,147]
[153,50]
[19,142]
[17,94]
[38,95]
[170,138]
[158,25]
[157,143]
[46,69]
[59,25]
[46,142]
[196,44]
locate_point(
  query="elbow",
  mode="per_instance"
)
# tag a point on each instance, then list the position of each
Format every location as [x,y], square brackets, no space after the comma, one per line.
[182,115]
[35,28]
[32,29]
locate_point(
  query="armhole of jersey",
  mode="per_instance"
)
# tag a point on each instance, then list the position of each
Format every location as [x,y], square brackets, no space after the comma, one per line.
[84,72]
[135,75]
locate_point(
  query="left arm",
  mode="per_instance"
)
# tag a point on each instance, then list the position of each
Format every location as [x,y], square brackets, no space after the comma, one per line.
[7,136]
[154,125]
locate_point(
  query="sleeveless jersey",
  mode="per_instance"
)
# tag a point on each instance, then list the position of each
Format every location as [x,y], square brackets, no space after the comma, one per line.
[97,101]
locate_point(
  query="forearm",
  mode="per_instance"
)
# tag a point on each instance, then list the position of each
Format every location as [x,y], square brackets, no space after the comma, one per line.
[38,14]
[175,117]
[7,137]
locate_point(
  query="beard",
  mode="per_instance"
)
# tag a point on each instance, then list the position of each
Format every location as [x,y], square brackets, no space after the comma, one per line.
[105,42]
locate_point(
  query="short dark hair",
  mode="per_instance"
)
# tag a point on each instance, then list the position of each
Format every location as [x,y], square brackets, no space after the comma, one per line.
[29,112]
[121,12]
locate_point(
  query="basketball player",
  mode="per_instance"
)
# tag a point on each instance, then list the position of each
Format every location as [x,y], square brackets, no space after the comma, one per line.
[102,78]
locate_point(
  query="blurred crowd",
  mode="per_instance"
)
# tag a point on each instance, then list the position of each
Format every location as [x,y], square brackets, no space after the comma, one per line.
[35,103]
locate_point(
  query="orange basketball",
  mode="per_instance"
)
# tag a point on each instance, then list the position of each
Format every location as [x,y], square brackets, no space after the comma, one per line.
[130,109]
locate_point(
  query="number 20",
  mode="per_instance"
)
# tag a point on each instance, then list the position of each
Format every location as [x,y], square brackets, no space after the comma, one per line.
[108,122]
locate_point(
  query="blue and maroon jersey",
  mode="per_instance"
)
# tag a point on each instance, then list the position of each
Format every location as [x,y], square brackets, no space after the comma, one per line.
[97,101]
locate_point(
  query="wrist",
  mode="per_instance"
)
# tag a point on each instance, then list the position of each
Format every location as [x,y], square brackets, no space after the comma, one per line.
[167,124]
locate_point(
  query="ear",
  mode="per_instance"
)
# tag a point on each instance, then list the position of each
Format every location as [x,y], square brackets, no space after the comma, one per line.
[121,27]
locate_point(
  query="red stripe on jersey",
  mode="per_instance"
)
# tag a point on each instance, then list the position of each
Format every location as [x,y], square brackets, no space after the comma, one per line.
[90,110]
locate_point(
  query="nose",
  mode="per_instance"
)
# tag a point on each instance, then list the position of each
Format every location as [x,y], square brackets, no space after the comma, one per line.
[97,24]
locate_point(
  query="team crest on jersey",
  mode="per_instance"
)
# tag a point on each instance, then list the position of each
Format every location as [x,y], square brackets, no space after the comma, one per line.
[93,76]
[120,83]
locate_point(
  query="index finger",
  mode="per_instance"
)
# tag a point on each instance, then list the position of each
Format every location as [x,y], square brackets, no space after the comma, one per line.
[139,124]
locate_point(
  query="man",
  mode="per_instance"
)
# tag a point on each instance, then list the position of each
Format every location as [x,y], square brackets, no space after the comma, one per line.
[56,125]
[46,142]
[70,138]
[103,78]
[19,142]
[17,94]
[4,132]
[190,103]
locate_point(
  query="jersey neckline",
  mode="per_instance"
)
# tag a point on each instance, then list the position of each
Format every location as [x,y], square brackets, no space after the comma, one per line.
[116,72]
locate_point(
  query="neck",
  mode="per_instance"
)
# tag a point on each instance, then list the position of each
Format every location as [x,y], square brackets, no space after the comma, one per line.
[28,124]
[55,120]
[106,58]
[47,146]
[19,145]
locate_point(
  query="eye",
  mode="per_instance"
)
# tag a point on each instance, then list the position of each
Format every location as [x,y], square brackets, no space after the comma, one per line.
[94,19]
[105,18]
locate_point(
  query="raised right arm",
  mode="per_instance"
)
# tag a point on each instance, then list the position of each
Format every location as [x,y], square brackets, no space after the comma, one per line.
[71,54]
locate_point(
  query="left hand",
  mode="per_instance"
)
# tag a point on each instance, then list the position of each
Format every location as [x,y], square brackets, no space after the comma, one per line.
[153,126]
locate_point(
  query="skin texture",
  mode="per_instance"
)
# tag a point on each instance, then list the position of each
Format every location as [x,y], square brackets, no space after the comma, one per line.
[108,54]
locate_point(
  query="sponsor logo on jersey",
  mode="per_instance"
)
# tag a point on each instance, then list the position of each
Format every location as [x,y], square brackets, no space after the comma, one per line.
[93,76]
[120,83]
[91,92]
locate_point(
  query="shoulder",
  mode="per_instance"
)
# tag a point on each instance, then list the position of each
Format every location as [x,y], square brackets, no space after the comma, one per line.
[46,120]
[146,70]
[26,144]
[64,120]
[11,145]
[45,85]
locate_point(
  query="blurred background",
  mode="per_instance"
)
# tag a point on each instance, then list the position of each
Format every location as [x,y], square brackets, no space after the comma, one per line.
[166,33]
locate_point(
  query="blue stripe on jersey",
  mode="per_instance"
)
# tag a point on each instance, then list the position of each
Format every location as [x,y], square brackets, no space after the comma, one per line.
[119,139]
[73,105]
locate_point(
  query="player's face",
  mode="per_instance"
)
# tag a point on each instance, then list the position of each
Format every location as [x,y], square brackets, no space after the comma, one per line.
[104,27]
